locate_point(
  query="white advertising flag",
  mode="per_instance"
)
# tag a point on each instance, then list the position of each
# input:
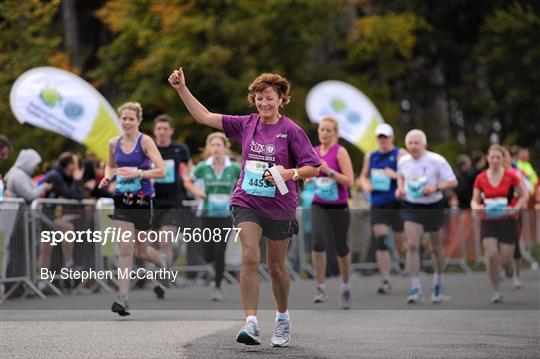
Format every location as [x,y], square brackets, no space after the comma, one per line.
[357,115]
[59,101]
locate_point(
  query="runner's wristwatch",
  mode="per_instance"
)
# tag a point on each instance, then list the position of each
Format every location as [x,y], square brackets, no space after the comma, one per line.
[295,176]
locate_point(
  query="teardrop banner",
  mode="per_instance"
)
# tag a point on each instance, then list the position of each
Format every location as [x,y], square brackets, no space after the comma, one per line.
[356,114]
[61,102]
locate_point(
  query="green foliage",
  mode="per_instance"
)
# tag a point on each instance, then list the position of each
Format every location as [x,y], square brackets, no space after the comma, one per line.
[509,61]
[385,41]
[480,55]
[222,46]
[27,40]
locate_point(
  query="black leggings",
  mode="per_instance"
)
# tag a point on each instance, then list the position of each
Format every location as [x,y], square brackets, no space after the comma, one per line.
[330,222]
[215,251]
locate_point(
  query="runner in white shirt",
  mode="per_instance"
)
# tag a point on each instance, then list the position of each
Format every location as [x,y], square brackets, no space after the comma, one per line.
[422,176]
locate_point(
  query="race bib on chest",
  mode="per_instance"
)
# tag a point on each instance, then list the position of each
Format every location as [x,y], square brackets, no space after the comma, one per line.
[218,205]
[496,207]
[327,189]
[169,169]
[380,180]
[415,186]
[253,182]
[128,184]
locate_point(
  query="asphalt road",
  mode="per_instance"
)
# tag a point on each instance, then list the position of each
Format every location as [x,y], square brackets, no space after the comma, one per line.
[187,324]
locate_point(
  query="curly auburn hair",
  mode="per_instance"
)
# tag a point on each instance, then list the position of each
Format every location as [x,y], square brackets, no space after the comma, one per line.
[280,84]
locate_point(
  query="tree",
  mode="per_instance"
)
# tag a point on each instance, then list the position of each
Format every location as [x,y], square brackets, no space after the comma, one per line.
[222,46]
[508,59]
[28,39]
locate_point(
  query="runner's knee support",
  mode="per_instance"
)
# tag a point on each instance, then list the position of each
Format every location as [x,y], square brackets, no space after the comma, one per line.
[381,243]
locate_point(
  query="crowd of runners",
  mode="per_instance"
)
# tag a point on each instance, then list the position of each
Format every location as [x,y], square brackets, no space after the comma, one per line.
[409,189]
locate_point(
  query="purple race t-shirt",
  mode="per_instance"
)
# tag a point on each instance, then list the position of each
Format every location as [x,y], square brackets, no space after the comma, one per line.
[283,143]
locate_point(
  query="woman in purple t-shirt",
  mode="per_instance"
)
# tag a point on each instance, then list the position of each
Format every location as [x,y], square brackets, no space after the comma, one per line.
[330,209]
[263,204]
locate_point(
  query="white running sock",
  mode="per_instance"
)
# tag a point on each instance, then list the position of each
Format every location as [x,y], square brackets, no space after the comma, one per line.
[321,287]
[437,278]
[252,318]
[345,286]
[415,282]
[282,316]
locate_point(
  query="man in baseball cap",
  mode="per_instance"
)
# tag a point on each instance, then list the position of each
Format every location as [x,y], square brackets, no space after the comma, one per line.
[378,177]
[384,129]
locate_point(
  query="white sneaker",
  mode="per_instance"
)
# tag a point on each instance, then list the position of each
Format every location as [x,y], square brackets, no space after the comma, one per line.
[415,295]
[345,299]
[385,287]
[281,335]
[437,293]
[518,283]
[497,297]
[320,295]
[217,294]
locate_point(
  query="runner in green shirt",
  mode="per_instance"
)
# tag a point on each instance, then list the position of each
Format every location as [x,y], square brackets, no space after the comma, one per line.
[219,175]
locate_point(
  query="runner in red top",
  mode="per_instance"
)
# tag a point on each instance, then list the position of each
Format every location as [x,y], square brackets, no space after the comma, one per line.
[493,193]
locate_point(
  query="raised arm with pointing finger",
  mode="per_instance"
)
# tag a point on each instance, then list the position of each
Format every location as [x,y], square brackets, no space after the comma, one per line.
[195,108]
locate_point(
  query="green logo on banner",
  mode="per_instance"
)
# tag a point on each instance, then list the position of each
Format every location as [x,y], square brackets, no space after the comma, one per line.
[50,96]
[338,105]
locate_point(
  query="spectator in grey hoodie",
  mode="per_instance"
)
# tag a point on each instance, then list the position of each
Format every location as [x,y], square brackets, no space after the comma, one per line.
[19,180]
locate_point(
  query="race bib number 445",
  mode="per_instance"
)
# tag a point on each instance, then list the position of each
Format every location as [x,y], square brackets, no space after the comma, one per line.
[253,182]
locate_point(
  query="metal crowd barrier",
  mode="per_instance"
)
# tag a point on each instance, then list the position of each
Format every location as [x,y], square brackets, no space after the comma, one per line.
[461,241]
[106,254]
[190,254]
[48,214]
[20,238]
[16,266]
